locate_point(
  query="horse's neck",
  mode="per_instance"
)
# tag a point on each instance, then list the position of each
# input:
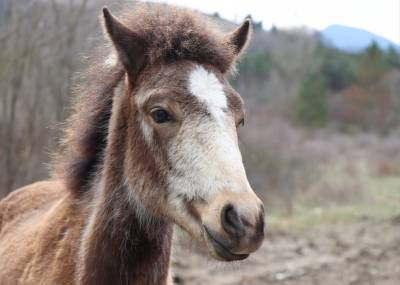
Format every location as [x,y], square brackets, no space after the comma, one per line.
[119,247]
[121,244]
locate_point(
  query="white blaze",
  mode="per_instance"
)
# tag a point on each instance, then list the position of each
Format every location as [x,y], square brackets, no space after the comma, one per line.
[205,153]
[207,88]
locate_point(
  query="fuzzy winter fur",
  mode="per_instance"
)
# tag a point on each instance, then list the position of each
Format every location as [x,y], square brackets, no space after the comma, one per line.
[173,34]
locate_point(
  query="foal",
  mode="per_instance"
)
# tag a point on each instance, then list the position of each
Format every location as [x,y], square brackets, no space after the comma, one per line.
[152,143]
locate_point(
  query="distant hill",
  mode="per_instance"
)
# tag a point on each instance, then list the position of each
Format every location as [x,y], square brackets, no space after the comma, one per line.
[353,39]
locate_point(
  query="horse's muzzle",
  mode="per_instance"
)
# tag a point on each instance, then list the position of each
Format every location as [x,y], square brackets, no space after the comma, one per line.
[239,234]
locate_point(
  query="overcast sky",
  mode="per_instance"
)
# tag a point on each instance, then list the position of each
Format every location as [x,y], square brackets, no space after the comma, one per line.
[381,17]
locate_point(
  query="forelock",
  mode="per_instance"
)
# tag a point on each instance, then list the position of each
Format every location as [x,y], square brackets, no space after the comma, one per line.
[179,34]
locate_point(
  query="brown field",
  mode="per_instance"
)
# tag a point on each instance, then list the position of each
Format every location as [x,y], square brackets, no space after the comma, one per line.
[366,251]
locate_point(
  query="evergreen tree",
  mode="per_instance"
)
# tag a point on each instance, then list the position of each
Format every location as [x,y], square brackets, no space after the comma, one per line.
[371,65]
[393,58]
[336,68]
[312,109]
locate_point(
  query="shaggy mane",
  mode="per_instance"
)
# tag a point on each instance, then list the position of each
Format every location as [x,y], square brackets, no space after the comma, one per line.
[172,34]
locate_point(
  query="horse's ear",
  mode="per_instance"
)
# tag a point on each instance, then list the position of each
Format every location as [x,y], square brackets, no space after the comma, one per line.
[131,48]
[240,37]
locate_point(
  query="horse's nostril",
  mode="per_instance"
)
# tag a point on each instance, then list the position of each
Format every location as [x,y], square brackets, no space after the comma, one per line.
[231,221]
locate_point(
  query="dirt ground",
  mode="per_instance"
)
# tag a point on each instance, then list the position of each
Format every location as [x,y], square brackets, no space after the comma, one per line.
[354,253]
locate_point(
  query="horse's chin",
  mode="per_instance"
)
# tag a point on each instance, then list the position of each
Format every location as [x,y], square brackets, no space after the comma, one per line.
[218,250]
[202,240]
[205,245]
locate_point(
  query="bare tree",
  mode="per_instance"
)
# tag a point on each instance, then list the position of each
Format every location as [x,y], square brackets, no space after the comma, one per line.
[41,45]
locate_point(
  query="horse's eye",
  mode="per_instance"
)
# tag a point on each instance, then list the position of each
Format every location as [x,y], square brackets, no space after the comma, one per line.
[240,123]
[160,116]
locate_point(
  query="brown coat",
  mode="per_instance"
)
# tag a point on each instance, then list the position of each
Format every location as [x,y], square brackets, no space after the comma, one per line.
[38,225]
[41,229]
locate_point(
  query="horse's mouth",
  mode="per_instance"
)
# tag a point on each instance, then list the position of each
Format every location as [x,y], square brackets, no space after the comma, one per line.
[220,249]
